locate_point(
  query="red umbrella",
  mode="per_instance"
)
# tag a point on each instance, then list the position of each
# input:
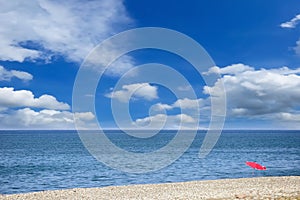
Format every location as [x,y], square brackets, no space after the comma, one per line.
[256,165]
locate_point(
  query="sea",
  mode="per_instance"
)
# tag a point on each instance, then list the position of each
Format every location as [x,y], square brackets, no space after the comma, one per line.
[50,160]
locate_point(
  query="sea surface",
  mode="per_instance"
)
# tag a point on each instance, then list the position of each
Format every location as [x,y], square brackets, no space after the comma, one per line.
[49,160]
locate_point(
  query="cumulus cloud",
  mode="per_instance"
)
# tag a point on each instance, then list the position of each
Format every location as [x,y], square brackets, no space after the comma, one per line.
[231,69]
[259,92]
[156,120]
[267,94]
[85,116]
[41,29]
[188,117]
[19,109]
[189,114]
[162,106]
[185,104]
[7,75]
[27,118]
[135,91]
[10,98]
[167,121]
[292,23]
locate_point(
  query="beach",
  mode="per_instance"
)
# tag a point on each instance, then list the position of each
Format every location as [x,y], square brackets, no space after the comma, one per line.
[286,187]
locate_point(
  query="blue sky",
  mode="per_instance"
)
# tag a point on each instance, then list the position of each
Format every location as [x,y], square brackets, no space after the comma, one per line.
[254,44]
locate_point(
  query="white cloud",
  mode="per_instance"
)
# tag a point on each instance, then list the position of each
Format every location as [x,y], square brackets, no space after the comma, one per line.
[85,116]
[23,98]
[161,106]
[188,103]
[17,112]
[156,119]
[39,29]
[184,118]
[289,117]
[7,75]
[190,112]
[231,69]
[100,58]
[185,88]
[27,118]
[292,23]
[167,121]
[185,104]
[285,71]
[263,92]
[135,91]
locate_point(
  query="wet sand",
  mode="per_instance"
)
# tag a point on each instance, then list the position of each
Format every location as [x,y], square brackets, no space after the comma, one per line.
[247,188]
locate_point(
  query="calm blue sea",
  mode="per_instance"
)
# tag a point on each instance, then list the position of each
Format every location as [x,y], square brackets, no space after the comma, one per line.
[47,160]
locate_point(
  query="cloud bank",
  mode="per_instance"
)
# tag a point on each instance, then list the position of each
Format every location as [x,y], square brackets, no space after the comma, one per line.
[27,118]
[20,109]
[271,93]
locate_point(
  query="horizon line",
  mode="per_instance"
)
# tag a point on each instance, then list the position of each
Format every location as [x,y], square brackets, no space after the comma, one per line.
[116,129]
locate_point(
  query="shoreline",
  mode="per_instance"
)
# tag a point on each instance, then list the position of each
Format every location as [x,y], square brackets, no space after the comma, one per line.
[284,187]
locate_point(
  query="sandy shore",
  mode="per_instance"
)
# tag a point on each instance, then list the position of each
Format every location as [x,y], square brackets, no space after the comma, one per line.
[247,188]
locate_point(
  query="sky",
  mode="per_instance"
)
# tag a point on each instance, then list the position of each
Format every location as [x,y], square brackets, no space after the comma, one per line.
[255,46]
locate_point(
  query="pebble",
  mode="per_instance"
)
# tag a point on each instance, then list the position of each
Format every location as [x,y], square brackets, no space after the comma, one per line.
[287,187]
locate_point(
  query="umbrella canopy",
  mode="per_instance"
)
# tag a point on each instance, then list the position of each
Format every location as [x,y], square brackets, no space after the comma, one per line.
[256,165]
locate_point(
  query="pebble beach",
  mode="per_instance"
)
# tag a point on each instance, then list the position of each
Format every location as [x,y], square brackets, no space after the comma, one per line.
[287,187]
